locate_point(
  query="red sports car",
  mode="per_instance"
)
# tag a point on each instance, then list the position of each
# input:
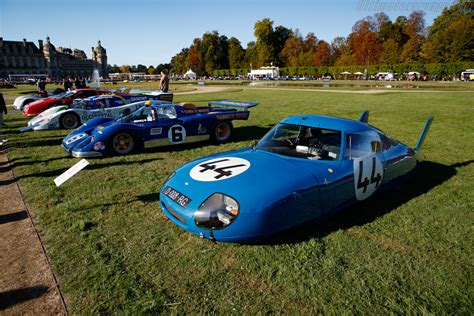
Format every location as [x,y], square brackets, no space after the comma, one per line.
[36,107]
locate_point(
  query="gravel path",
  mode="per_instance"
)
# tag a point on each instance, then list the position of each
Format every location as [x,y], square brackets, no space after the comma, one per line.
[27,284]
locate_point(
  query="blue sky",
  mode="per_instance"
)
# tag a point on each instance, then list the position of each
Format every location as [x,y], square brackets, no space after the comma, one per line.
[151,32]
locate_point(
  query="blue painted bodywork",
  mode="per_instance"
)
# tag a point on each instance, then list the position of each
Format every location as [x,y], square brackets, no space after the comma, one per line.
[155,124]
[278,192]
[117,99]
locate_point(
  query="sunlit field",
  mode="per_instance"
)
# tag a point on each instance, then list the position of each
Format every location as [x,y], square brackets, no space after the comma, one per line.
[408,250]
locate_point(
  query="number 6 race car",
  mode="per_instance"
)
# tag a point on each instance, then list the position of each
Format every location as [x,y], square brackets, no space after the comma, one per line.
[156,124]
[112,106]
[305,168]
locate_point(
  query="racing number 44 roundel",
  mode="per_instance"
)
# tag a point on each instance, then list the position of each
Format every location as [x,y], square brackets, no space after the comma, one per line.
[368,174]
[219,169]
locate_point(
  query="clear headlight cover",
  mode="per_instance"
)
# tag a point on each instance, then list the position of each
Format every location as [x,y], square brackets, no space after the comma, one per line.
[216,212]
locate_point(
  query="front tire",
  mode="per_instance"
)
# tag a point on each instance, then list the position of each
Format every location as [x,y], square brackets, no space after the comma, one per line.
[123,143]
[69,121]
[222,132]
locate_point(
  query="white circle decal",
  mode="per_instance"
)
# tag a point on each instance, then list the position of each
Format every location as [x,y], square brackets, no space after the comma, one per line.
[176,134]
[219,169]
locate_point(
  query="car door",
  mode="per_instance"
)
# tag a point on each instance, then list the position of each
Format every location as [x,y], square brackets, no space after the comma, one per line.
[399,158]
[362,169]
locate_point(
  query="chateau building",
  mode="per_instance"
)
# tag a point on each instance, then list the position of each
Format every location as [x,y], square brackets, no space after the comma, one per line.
[23,58]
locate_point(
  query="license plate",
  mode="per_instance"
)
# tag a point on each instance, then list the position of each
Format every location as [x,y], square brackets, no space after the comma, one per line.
[178,197]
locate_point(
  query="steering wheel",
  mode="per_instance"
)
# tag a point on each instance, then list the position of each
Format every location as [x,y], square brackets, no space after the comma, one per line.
[317,145]
[288,141]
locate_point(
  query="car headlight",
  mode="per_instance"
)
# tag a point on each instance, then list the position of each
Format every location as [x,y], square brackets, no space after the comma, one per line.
[99,146]
[217,212]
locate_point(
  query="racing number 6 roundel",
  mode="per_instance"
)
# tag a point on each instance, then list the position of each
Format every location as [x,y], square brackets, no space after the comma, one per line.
[176,134]
[368,174]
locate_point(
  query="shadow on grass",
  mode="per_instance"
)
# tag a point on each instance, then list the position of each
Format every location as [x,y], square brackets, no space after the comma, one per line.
[36,142]
[147,198]
[13,297]
[93,166]
[427,176]
[13,164]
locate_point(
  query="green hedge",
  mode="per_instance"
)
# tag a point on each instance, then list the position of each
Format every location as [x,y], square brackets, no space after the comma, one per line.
[430,69]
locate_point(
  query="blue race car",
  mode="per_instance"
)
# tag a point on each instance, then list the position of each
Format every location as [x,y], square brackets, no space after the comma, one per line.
[305,168]
[156,123]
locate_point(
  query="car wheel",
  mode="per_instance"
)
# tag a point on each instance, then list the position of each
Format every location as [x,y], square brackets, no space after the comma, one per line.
[222,132]
[123,143]
[69,121]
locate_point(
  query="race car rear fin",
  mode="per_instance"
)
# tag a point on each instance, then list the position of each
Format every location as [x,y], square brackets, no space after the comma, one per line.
[235,104]
[424,133]
[364,117]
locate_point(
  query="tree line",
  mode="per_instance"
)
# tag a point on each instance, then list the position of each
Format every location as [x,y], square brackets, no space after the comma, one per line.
[374,40]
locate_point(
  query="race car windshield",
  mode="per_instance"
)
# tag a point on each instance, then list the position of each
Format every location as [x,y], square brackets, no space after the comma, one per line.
[64,95]
[148,113]
[302,142]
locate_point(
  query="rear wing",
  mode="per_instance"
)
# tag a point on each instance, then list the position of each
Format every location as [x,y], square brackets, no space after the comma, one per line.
[232,103]
[364,117]
[424,133]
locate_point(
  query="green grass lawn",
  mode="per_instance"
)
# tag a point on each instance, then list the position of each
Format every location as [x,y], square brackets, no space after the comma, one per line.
[405,251]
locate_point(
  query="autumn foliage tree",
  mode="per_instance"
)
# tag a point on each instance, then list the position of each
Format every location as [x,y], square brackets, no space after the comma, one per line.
[373,40]
[365,44]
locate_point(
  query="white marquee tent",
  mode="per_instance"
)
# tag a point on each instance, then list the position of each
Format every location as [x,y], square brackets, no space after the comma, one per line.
[190,74]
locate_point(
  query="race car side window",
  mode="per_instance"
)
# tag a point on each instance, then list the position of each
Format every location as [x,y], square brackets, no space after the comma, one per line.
[362,144]
[387,142]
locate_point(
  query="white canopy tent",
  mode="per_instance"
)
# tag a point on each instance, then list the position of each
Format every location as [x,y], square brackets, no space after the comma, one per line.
[190,74]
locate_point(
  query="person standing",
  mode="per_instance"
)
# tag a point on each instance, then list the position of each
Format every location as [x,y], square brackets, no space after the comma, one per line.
[42,87]
[164,81]
[77,83]
[3,109]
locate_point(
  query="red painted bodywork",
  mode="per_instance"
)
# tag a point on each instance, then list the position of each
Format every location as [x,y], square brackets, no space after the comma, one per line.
[36,107]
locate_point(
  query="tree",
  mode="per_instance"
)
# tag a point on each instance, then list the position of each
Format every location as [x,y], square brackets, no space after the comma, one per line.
[124,68]
[141,68]
[280,35]
[391,52]
[178,62]
[322,56]
[193,59]
[451,35]
[250,59]
[365,43]
[292,50]
[236,53]
[263,31]
[415,28]
[151,70]
[380,19]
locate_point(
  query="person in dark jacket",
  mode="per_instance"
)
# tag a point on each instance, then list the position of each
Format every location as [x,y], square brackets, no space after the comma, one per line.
[3,109]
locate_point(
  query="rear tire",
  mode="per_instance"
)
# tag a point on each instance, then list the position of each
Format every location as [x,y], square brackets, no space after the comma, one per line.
[222,132]
[123,143]
[69,121]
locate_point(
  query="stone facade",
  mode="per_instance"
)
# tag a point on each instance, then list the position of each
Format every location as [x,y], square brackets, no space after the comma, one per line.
[26,58]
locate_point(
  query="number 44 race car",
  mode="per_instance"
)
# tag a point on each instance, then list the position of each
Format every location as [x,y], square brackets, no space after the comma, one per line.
[156,124]
[305,168]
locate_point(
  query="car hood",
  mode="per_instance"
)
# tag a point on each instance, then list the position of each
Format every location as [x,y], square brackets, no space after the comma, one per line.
[269,177]
[47,114]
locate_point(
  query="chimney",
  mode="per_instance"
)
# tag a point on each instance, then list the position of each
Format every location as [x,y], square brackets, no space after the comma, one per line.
[40,43]
[1,41]
[24,42]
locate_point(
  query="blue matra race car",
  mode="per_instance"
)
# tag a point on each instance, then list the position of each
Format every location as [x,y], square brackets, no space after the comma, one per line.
[305,168]
[156,124]
[81,110]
